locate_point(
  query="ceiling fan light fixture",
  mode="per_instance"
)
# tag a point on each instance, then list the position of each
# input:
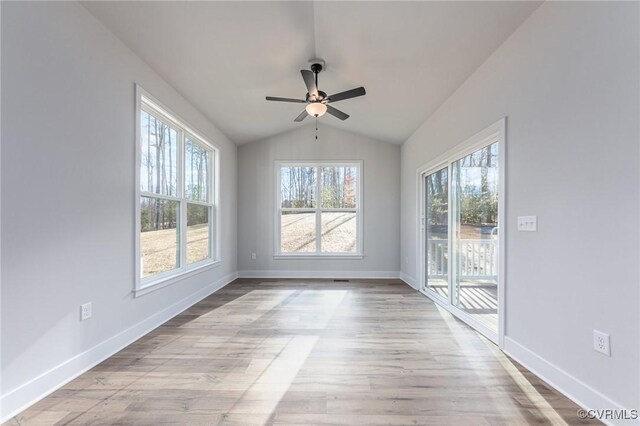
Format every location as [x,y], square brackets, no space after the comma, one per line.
[316,109]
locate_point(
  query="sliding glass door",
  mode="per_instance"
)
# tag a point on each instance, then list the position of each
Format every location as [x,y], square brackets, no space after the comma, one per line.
[460,234]
[437,231]
[475,234]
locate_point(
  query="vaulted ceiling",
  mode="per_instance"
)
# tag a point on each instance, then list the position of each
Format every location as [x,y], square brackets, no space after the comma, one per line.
[225,57]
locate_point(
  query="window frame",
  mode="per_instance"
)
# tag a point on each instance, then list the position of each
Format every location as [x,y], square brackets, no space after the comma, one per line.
[143,285]
[318,210]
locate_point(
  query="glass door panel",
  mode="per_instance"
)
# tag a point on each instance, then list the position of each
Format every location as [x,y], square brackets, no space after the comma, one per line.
[474,201]
[437,232]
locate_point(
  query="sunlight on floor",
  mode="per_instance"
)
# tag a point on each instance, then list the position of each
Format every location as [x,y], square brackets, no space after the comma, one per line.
[537,400]
[264,301]
[269,375]
[469,351]
[527,388]
[277,376]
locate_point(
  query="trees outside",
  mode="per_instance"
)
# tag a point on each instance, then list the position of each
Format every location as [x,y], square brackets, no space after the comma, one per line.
[298,187]
[197,163]
[158,172]
[339,187]
[476,180]
[437,200]
[157,213]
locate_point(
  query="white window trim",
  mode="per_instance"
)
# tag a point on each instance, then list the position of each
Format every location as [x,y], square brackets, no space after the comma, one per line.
[146,285]
[359,254]
[495,133]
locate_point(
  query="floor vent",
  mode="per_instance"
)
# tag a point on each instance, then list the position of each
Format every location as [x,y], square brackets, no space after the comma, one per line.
[340,281]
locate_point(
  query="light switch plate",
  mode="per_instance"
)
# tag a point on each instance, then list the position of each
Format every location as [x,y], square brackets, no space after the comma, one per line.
[527,223]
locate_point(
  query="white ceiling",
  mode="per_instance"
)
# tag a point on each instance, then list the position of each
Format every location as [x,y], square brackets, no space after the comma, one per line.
[225,57]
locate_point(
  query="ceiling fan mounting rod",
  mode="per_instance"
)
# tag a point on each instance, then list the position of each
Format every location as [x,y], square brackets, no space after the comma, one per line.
[316,68]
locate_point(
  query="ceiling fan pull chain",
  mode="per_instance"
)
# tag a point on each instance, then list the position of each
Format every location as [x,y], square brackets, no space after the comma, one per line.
[316,127]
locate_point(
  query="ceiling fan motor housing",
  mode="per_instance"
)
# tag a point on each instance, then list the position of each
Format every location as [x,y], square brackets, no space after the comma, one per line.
[322,96]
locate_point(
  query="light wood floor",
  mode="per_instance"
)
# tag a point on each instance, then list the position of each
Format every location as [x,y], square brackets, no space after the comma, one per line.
[312,352]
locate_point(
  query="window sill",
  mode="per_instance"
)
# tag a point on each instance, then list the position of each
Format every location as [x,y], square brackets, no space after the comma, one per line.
[167,281]
[318,256]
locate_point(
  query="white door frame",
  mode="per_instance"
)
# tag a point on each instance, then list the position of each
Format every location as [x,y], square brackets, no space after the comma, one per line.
[492,134]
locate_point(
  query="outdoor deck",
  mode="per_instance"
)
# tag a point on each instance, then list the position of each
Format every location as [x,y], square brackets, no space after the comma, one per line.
[479,300]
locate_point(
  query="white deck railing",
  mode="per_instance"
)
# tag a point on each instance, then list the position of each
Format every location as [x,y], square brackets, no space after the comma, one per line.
[477,259]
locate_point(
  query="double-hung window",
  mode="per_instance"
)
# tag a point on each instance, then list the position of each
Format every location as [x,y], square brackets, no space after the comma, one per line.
[176,212]
[319,209]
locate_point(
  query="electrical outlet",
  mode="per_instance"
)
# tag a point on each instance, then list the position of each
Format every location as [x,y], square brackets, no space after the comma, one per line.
[406,260]
[528,223]
[254,256]
[85,311]
[601,342]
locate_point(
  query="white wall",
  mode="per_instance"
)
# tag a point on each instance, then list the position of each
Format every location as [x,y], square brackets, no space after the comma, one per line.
[256,202]
[568,81]
[68,195]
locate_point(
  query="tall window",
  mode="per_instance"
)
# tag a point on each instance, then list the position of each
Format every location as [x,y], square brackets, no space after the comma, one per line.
[176,197]
[319,209]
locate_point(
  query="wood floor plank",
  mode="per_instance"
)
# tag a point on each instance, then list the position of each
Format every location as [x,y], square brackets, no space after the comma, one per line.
[306,352]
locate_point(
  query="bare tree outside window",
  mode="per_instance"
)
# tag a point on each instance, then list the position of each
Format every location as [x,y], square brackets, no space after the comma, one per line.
[298,187]
[197,161]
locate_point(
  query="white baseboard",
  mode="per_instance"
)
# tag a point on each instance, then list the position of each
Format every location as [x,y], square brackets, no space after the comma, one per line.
[320,274]
[409,280]
[20,398]
[571,387]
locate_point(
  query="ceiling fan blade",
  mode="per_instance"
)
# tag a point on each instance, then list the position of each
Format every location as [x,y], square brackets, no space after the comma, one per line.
[273,98]
[359,91]
[302,116]
[310,82]
[337,113]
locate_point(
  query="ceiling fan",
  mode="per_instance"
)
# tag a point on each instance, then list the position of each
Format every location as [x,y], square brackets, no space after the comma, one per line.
[317,101]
